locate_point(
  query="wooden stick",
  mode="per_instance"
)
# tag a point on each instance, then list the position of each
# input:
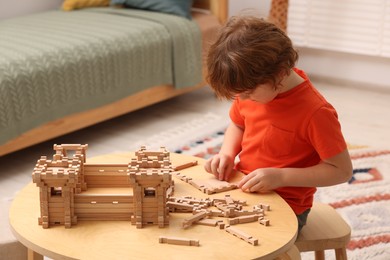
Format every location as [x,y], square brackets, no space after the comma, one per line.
[185,165]
[178,241]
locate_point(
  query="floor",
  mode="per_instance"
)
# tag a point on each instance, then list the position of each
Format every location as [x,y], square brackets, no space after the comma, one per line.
[364,115]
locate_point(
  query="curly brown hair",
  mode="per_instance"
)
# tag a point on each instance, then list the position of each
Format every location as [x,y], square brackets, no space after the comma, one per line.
[248,51]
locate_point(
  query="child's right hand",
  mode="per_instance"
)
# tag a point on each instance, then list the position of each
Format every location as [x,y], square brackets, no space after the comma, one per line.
[220,165]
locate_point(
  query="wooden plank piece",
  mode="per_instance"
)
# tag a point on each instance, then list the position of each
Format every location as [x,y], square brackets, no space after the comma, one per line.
[178,241]
[240,234]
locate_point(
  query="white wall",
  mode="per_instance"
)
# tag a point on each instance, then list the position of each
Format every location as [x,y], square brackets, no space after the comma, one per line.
[260,8]
[13,8]
[344,68]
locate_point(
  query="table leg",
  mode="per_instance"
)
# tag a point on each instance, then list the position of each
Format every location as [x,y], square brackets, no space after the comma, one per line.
[31,255]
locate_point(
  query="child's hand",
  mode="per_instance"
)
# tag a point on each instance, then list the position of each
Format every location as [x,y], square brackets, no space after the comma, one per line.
[220,165]
[261,180]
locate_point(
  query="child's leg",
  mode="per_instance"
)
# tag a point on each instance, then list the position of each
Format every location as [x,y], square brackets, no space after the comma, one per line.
[302,219]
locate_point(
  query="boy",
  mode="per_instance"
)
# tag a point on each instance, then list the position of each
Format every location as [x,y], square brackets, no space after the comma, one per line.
[286,135]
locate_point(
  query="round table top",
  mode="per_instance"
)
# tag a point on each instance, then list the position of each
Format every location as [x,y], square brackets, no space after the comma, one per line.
[122,240]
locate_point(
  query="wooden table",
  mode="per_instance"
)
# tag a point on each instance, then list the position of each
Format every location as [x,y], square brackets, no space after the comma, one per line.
[121,240]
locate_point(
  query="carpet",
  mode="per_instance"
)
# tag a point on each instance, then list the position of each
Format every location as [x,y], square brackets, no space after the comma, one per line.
[363,202]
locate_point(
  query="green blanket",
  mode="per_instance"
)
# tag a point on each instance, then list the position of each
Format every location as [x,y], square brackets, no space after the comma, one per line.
[57,63]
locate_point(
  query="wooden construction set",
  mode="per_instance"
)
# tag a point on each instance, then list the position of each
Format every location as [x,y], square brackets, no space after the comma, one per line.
[71,190]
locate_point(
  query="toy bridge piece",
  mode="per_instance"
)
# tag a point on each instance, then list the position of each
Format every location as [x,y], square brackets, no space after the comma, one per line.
[150,177]
[240,234]
[178,241]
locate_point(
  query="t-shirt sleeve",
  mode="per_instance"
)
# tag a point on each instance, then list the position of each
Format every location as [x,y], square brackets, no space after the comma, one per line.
[325,134]
[234,113]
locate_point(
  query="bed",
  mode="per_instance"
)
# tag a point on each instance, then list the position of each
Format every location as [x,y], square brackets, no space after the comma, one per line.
[64,71]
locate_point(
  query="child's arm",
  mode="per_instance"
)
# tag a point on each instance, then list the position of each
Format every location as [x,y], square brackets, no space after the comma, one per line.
[221,165]
[332,171]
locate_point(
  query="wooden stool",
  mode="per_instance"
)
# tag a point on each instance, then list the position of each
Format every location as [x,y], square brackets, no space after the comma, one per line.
[325,229]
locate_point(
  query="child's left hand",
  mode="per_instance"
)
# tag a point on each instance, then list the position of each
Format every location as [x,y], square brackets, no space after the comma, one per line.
[261,180]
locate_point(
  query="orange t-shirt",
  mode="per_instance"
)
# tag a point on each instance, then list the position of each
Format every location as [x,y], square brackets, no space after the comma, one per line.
[297,129]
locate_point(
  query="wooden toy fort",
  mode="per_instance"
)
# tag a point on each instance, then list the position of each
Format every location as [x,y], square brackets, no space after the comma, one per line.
[139,191]
[71,189]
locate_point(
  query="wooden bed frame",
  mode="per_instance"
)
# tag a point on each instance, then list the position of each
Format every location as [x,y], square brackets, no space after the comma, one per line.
[128,104]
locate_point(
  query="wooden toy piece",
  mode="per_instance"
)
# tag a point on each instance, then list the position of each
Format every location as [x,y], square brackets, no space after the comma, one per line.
[171,190]
[198,216]
[185,166]
[222,188]
[240,234]
[217,186]
[258,208]
[227,212]
[239,213]
[229,199]
[179,207]
[209,222]
[214,213]
[234,209]
[106,175]
[208,186]
[265,206]
[188,204]
[211,186]
[244,219]
[192,201]
[96,206]
[221,225]
[182,177]
[178,241]
[264,221]
[237,202]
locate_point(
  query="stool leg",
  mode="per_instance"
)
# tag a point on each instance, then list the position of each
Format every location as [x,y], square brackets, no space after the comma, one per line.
[319,255]
[341,253]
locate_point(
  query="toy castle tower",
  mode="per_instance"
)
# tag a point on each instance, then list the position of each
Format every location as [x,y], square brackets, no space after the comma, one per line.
[58,180]
[150,178]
